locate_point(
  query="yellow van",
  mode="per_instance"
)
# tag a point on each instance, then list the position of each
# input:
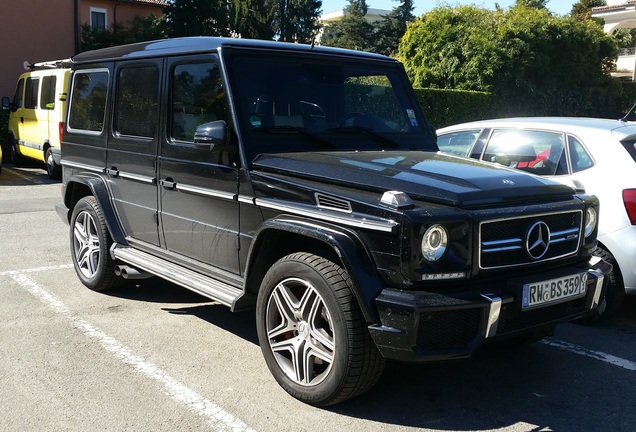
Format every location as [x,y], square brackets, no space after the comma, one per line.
[37,109]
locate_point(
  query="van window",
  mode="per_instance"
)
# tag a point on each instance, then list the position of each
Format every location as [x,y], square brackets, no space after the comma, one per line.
[31,93]
[47,99]
[88,100]
[137,101]
[17,97]
[197,98]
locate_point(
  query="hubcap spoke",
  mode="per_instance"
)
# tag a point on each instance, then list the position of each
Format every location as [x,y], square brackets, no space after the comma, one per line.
[300,331]
[86,244]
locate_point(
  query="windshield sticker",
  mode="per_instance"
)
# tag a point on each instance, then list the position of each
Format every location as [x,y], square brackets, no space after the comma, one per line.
[255,121]
[411,114]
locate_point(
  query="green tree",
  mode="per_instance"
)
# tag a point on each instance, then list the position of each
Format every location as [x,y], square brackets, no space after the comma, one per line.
[541,61]
[199,18]
[390,29]
[582,9]
[253,19]
[353,31]
[534,4]
[297,20]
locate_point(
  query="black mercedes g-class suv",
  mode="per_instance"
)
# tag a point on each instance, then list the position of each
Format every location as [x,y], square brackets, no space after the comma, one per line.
[305,183]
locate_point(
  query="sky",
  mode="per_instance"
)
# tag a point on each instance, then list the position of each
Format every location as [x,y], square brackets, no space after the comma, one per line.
[560,7]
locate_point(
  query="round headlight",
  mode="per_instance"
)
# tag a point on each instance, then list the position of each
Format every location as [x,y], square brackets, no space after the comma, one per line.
[591,220]
[434,243]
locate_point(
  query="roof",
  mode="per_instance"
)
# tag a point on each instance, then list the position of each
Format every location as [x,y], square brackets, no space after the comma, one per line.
[566,124]
[205,44]
[162,3]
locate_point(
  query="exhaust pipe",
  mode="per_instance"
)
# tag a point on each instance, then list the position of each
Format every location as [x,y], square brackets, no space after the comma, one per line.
[128,272]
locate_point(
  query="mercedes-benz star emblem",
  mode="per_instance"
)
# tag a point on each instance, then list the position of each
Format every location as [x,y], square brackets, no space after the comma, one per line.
[538,240]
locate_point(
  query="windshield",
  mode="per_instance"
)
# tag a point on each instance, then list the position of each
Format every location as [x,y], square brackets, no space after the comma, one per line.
[302,103]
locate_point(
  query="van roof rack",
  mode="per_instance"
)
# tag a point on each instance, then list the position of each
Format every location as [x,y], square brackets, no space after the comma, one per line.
[51,64]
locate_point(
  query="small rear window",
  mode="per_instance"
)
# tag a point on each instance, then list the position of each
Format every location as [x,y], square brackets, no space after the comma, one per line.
[47,99]
[630,146]
[88,101]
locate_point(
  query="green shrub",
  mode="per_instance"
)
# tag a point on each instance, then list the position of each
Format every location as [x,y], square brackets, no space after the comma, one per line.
[444,107]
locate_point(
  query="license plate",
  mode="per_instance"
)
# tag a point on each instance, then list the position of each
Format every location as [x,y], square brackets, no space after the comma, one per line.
[554,290]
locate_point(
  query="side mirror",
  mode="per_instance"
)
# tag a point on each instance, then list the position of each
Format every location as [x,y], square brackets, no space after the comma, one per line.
[6,103]
[212,134]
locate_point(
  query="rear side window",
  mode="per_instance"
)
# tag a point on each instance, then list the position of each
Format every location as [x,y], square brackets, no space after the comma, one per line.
[137,101]
[580,159]
[88,101]
[31,93]
[47,99]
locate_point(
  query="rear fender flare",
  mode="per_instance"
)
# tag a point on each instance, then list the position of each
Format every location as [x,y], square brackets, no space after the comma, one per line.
[81,185]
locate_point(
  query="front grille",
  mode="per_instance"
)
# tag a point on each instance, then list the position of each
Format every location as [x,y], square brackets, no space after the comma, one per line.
[448,329]
[504,242]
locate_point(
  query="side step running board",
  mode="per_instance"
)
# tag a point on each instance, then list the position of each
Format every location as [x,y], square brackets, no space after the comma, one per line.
[189,279]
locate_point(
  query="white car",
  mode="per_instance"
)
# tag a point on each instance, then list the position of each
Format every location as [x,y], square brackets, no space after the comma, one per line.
[597,155]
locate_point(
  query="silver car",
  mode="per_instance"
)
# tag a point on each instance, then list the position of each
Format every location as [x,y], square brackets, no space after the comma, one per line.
[597,155]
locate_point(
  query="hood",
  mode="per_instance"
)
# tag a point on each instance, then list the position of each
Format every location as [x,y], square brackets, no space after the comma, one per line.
[429,176]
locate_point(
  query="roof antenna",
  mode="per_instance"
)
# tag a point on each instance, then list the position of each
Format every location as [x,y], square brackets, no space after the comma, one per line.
[313,43]
[628,114]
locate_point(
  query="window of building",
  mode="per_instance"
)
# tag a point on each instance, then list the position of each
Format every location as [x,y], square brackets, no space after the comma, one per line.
[98,18]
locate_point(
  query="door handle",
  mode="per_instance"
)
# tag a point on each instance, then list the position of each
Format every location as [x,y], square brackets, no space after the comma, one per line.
[21,119]
[168,183]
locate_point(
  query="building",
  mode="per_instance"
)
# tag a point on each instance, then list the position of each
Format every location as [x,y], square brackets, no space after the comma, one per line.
[620,14]
[41,30]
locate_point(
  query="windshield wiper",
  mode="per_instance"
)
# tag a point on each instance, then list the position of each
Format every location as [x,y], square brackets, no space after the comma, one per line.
[370,132]
[301,131]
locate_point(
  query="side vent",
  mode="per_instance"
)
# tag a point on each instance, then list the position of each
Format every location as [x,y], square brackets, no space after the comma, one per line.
[332,203]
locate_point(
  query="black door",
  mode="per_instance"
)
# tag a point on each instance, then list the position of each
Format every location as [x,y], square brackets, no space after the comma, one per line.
[199,214]
[132,148]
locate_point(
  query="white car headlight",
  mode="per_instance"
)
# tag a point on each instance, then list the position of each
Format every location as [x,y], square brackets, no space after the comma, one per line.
[434,243]
[591,220]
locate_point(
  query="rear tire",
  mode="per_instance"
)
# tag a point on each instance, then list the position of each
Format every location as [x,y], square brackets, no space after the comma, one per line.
[90,246]
[52,169]
[312,333]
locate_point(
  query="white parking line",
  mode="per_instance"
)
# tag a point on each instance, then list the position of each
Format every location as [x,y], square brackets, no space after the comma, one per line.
[597,355]
[219,419]
[23,176]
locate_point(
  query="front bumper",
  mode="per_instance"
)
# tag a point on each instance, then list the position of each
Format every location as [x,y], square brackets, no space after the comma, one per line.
[423,326]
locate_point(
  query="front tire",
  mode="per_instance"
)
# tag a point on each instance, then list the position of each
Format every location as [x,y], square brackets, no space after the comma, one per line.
[312,333]
[14,152]
[90,244]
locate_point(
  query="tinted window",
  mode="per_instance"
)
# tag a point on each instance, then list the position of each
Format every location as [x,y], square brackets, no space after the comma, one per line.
[580,159]
[458,143]
[538,152]
[197,98]
[88,100]
[137,101]
[47,99]
[31,92]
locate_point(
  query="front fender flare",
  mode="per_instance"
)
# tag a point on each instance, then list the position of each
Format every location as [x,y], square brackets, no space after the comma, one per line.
[346,244]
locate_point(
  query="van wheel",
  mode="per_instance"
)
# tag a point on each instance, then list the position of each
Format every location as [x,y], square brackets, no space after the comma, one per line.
[53,170]
[90,245]
[312,333]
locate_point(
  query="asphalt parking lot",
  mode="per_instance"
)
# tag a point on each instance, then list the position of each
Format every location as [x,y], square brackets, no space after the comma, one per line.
[156,357]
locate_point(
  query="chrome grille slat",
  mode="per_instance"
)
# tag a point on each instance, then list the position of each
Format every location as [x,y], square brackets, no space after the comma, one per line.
[502,242]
